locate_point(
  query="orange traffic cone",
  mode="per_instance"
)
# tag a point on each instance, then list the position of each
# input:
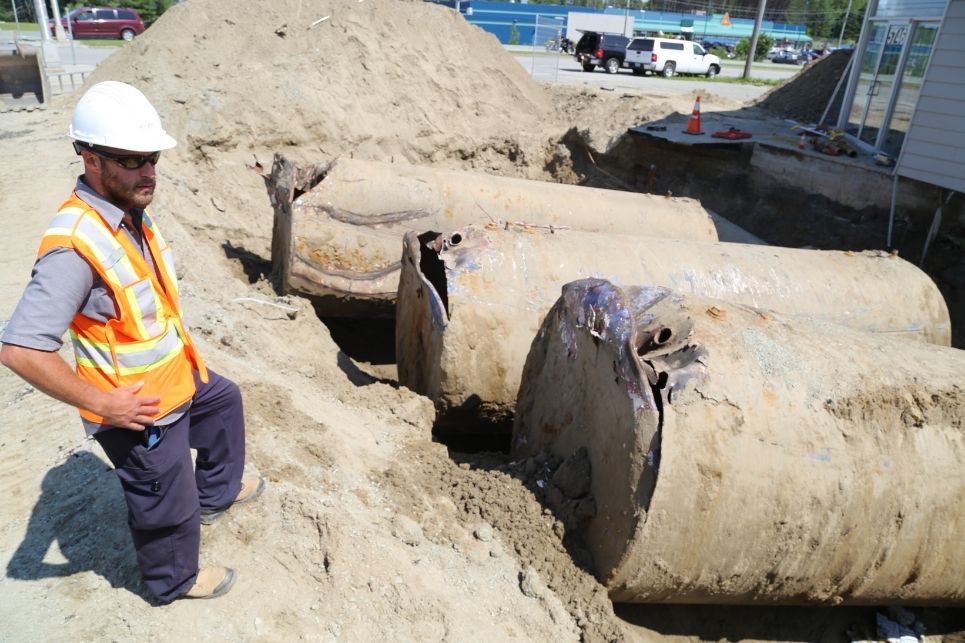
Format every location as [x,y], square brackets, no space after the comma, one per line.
[693,125]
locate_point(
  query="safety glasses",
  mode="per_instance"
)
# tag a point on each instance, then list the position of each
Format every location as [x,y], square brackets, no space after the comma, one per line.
[128,161]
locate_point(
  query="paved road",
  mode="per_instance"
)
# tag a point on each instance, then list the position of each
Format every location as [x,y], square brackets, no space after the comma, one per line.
[69,54]
[67,64]
[565,70]
[81,59]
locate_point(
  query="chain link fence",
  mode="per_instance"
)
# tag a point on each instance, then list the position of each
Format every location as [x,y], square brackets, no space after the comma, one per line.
[546,46]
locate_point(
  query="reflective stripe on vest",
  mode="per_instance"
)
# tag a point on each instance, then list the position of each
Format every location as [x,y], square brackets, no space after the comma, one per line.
[118,268]
[147,341]
[130,360]
[166,254]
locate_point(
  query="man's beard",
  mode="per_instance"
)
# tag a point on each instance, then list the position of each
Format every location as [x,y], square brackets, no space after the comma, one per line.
[126,196]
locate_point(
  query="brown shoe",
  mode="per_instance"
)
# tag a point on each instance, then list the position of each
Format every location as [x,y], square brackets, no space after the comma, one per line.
[251,488]
[211,582]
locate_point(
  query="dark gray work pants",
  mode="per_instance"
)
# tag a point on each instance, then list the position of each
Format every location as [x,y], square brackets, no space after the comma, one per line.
[165,494]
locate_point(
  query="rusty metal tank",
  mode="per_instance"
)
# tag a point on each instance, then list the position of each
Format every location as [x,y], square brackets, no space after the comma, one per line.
[337,233]
[739,456]
[470,301]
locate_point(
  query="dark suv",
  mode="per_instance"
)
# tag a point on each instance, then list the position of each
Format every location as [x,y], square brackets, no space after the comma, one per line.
[603,49]
[103,22]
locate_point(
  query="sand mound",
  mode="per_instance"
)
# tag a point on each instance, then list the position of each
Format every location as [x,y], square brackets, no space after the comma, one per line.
[806,96]
[354,539]
[368,529]
[236,75]
[399,80]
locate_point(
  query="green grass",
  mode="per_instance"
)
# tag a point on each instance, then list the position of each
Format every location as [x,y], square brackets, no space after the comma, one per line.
[761,82]
[98,42]
[33,26]
[24,26]
[762,64]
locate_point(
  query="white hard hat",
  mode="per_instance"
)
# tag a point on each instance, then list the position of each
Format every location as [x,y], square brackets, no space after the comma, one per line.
[114,114]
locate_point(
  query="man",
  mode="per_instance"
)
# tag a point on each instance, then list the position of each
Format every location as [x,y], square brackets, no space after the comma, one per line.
[105,272]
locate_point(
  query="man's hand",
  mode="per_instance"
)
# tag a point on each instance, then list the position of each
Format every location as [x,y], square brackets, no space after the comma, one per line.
[125,409]
[48,372]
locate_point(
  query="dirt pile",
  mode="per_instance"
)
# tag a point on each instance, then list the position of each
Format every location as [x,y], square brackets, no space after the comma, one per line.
[354,539]
[596,122]
[403,81]
[383,78]
[806,96]
[368,529]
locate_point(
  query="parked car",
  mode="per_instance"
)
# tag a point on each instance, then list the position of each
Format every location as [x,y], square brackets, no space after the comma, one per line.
[787,57]
[668,57]
[103,22]
[711,44]
[605,50]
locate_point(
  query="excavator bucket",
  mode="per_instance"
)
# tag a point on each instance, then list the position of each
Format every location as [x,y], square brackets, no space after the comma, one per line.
[22,81]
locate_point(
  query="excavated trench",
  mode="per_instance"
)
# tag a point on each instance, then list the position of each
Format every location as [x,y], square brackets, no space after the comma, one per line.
[775,206]
[724,180]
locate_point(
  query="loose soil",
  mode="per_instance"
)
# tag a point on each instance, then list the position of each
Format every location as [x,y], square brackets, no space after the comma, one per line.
[369,529]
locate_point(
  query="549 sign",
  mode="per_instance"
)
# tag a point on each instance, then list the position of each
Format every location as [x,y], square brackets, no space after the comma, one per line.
[897,35]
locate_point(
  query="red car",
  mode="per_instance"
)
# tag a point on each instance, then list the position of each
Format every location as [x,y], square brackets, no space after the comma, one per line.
[103,22]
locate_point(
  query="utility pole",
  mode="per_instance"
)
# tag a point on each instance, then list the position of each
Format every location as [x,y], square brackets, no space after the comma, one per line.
[40,10]
[58,28]
[51,53]
[844,24]
[16,21]
[626,18]
[752,50]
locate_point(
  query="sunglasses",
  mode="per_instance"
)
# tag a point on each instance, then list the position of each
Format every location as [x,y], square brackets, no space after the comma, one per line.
[126,161]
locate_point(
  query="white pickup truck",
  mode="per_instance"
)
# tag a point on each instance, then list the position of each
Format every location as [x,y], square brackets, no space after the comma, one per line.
[668,57]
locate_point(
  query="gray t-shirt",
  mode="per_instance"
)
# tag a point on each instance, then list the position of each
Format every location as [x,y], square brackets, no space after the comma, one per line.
[63,283]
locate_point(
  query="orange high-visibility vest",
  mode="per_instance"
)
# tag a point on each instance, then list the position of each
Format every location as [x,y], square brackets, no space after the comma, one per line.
[147,342]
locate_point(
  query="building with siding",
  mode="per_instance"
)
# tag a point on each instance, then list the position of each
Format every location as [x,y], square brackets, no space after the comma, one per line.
[906,88]
[934,149]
